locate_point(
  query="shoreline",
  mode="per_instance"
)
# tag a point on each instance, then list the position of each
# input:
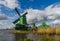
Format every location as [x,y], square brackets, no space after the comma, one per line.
[48,31]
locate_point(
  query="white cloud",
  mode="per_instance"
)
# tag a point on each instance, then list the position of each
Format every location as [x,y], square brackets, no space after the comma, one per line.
[34,15]
[51,12]
[55,23]
[6,22]
[5,25]
[9,3]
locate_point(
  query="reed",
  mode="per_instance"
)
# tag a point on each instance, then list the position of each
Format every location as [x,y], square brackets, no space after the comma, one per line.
[41,31]
[46,31]
[57,31]
[50,31]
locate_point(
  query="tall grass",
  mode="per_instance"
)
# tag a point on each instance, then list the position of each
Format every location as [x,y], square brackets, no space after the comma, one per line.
[49,31]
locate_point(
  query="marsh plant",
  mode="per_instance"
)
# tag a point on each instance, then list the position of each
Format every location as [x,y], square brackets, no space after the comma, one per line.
[27,39]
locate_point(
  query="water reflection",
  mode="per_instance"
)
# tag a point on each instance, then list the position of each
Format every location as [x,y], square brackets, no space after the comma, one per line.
[47,38]
[5,35]
[57,37]
[36,37]
[33,36]
[20,37]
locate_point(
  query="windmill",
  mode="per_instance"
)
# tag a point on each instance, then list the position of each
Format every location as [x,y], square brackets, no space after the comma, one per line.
[21,23]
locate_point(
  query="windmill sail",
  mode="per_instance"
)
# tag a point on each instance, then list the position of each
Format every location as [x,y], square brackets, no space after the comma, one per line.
[18,15]
[17,11]
[16,21]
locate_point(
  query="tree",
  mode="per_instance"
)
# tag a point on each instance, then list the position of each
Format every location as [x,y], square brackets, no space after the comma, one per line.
[44,25]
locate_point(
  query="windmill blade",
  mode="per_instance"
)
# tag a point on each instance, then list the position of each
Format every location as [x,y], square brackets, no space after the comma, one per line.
[17,11]
[25,13]
[16,21]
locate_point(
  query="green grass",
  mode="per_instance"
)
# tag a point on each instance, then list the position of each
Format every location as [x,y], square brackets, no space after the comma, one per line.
[19,31]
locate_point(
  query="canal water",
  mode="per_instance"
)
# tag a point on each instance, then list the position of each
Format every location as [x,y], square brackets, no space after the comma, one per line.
[5,35]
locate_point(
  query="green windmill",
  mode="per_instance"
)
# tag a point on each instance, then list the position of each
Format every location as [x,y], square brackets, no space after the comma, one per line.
[21,23]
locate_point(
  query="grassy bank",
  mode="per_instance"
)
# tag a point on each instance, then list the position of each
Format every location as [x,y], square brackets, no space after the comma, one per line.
[19,31]
[40,31]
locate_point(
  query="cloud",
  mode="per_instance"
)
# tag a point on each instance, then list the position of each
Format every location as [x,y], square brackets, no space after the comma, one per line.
[9,3]
[3,16]
[52,12]
[55,23]
[34,15]
[6,21]
[5,25]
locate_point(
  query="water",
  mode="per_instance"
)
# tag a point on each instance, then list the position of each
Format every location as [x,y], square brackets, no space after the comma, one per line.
[5,35]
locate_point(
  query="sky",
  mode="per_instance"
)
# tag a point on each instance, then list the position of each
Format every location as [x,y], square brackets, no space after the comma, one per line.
[36,4]
[38,11]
